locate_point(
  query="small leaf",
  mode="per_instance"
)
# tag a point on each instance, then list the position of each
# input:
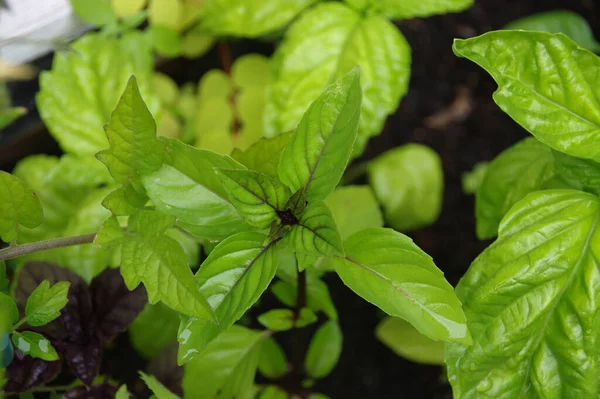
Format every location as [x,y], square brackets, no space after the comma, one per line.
[26,372]
[95,12]
[401,337]
[278,319]
[305,318]
[34,345]
[157,388]
[472,180]
[324,350]
[387,269]
[122,393]
[264,155]
[45,303]
[354,208]
[272,362]
[406,9]
[273,392]
[9,314]
[18,206]
[316,233]
[153,330]
[165,13]
[317,295]
[165,40]
[415,200]
[256,197]
[318,152]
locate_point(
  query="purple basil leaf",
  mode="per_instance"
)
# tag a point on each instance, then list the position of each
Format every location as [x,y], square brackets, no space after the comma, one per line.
[116,307]
[164,367]
[104,391]
[26,372]
[84,359]
[77,316]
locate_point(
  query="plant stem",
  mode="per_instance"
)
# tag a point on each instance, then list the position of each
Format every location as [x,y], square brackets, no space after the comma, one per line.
[18,250]
[58,388]
[301,294]
[226,61]
[299,335]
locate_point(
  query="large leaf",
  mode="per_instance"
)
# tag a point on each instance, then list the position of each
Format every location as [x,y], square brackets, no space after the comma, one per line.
[531,300]
[249,18]
[546,83]
[404,9]
[319,48]
[232,278]
[188,188]
[318,152]
[560,21]
[354,208]
[78,94]
[387,269]
[18,206]
[316,233]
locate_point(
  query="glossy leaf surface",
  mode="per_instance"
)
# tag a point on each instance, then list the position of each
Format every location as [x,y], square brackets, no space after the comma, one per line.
[404,9]
[316,233]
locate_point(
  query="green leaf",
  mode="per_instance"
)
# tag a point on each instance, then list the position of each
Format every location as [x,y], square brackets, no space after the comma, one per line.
[165,13]
[34,345]
[316,233]
[9,314]
[9,115]
[256,197]
[387,269]
[45,303]
[157,260]
[324,350]
[405,9]
[401,337]
[227,367]
[415,200]
[354,208]
[264,155]
[165,40]
[84,85]
[122,393]
[250,70]
[232,278]
[153,330]
[560,21]
[557,100]
[320,47]
[317,295]
[272,362]
[273,392]
[531,300]
[278,319]
[188,188]
[124,201]
[18,206]
[195,44]
[581,174]
[110,233]
[131,131]
[158,389]
[318,152]
[95,12]
[249,18]
[126,8]
[472,180]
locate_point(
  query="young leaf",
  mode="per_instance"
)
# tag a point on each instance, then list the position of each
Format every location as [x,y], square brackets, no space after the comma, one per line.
[278,319]
[317,295]
[530,299]
[84,85]
[562,113]
[472,180]
[315,233]
[157,388]
[354,208]
[264,155]
[272,362]
[324,350]
[95,12]
[256,197]
[18,206]
[34,345]
[415,200]
[318,152]
[401,337]
[249,18]
[124,201]
[273,392]
[559,21]
[154,329]
[320,47]
[387,269]
[45,303]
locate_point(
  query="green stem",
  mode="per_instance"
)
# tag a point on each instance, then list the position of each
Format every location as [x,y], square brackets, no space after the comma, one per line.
[19,250]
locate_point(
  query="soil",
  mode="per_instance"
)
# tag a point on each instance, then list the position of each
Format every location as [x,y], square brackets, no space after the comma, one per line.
[479,131]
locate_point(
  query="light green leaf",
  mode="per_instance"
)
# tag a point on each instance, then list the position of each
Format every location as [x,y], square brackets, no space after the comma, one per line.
[232,278]
[124,201]
[165,40]
[9,313]
[249,18]
[126,8]
[387,269]
[319,48]
[272,362]
[531,300]
[256,197]
[273,392]
[316,233]
[165,13]
[401,337]
[472,180]
[153,330]
[190,245]
[165,88]
[18,206]
[324,350]
[157,260]
[557,100]
[122,393]
[250,70]
[317,294]
[414,200]
[560,21]
[354,208]
[158,389]
[84,85]
[195,44]
[34,345]
[264,155]
[188,188]
[278,319]
[110,233]
[405,9]
[95,12]
[45,302]
[318,152]
[9,115]
[227,367]
[581,174]
[134,148]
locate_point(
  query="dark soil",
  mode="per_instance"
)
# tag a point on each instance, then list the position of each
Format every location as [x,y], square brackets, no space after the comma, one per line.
[368,369]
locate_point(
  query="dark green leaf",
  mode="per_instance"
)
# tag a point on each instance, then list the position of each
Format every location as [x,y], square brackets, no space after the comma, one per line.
[272,362]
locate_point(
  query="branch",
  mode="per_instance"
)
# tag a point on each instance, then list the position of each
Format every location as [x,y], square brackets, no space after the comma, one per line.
[19,250]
